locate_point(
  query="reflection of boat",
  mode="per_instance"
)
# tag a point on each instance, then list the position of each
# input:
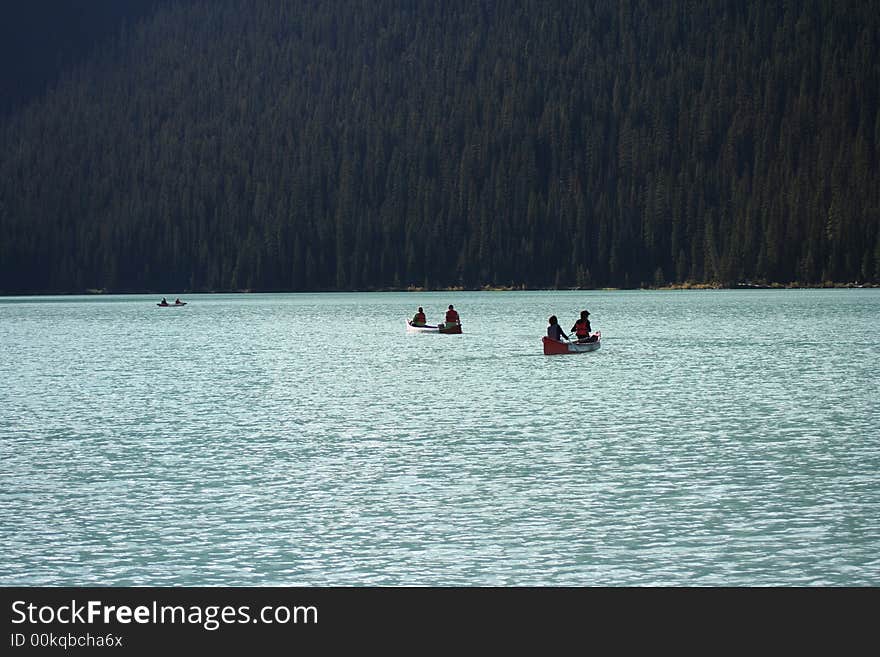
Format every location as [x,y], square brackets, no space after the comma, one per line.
[446,327]
[171,305]
[553,347]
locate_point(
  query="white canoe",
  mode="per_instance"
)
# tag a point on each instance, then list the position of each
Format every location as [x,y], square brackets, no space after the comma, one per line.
[445,329]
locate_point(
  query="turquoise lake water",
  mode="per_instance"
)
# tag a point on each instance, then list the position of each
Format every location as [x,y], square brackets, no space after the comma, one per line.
[716,438]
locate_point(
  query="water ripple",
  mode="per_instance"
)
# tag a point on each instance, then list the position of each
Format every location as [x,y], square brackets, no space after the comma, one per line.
[244,440]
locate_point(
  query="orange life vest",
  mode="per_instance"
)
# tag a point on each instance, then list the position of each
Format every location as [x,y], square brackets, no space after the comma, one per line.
[580,328]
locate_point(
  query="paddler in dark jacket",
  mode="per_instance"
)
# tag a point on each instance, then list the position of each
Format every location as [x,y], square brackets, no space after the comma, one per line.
[582,327]
[554,331]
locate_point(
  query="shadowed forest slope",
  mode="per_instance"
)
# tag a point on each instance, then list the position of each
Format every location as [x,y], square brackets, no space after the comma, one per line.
[276,145]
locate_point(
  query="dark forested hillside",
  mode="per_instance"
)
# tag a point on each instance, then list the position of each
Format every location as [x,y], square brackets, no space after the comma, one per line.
[344,144]
[41,38]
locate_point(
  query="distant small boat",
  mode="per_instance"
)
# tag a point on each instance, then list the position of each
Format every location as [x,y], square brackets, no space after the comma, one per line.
[554,347]
[446,328]
[171,305]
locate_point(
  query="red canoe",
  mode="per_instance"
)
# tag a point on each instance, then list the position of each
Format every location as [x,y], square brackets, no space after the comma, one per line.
[554,347]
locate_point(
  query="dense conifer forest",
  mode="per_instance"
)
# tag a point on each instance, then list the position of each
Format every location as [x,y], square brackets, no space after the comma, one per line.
[372,144]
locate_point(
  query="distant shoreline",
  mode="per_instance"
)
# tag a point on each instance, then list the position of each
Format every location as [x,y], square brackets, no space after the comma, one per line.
[484,288]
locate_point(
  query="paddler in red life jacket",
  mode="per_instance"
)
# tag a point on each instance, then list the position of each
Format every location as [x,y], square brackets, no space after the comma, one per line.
[452,316]
[582,328]
[419,318]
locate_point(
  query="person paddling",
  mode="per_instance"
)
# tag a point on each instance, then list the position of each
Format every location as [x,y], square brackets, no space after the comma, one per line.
[164,302]
[452,316]
[419,318]
[582,328]
[554,331]
[178,302]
